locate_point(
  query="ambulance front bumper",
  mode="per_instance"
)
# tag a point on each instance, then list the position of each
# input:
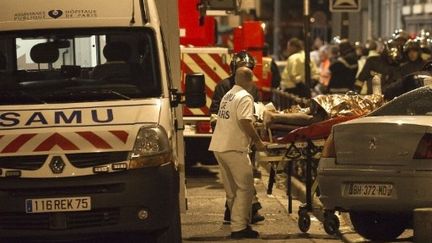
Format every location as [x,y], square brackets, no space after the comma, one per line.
[141,200]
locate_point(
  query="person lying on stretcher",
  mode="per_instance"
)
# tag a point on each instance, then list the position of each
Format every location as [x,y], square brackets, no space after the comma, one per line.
[321,108]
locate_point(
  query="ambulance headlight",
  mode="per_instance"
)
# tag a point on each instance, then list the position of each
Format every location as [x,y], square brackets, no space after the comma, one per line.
[152,148]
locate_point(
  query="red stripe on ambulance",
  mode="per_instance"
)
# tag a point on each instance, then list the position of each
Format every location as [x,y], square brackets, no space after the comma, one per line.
[94,139]
[53,140]
[60,140]
[17,143]
[122,135]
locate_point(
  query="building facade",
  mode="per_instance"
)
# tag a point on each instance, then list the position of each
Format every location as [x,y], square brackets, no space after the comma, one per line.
[376,19]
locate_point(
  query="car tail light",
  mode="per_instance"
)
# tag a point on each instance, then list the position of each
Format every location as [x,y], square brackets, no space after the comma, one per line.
[424,148]
[329,148]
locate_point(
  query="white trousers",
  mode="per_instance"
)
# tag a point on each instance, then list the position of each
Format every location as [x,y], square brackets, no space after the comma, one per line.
[237,177]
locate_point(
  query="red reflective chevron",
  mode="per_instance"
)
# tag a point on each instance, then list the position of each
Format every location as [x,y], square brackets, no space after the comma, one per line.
[56,139]
[94,139]
[64,142]
[17,143]
[122,135]
[205,67]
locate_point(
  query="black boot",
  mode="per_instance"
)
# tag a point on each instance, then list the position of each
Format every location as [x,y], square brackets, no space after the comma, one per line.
[255,207]
[256,216]
[245,233]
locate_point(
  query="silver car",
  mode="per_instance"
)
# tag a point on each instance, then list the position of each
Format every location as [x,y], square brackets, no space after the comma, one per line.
[379,167]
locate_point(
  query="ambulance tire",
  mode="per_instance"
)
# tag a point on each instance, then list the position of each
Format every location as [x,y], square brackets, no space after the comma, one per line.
[173,232]
[378,226]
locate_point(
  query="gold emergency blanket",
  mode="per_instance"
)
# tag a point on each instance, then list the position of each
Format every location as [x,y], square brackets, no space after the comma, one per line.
[348,105]
[324,107]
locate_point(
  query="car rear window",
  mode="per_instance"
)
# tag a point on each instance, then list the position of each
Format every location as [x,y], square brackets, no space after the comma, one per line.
[415,103]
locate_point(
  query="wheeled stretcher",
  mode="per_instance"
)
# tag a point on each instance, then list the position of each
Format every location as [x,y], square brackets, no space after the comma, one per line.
[302,127]
[302,144]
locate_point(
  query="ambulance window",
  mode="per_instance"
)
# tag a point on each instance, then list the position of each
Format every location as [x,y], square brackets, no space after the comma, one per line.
[79,65]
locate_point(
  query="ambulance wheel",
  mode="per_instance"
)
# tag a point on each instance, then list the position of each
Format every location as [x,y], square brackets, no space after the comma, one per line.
[304,222]
[331,224]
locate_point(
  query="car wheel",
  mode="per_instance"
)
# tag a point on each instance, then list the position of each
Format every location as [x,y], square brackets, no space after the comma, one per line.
[331,223]
[379,226]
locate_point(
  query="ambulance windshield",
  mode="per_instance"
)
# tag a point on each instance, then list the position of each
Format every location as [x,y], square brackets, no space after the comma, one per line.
[78,65]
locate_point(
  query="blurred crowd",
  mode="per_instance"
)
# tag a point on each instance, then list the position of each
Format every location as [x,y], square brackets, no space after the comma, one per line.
[373,67]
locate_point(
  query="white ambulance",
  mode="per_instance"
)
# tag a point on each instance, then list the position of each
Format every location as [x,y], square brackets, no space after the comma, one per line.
[90,131]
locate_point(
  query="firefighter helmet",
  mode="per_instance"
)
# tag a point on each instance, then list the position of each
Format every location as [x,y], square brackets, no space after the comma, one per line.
[241,59]
[400,36]
[425,41]
[393,52]
[412,44]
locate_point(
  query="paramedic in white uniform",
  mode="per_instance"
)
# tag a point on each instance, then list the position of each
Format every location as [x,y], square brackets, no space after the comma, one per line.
[230,143]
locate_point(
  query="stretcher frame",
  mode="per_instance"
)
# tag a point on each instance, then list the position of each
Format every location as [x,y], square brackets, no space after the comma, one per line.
[307,143]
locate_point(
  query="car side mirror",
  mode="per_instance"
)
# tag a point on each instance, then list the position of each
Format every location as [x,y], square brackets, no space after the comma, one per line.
[195,90]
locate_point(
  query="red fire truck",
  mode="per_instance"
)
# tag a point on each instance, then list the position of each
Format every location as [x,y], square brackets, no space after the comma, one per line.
[200,54]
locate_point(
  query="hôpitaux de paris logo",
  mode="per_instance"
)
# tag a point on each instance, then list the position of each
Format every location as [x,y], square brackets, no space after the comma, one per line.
[55,13]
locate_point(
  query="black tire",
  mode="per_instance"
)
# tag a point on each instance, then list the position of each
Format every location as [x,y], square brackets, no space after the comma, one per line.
[304,222]
[331,224]
[379,226]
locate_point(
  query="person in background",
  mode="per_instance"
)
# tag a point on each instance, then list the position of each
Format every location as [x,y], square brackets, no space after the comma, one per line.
[343,71]
[324,70]
[293,78]
[276,77]
[314,54]
[409,82]
[400,36]
[333,53]
[371,48]
[414,63]
[362,53]
[379,71]
[425,45]
[230,143]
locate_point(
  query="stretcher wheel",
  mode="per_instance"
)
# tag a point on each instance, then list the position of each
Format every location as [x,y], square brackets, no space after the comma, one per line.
[304,222]
[331,224]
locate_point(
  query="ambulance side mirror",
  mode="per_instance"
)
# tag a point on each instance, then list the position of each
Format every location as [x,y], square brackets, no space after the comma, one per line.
[195,90]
